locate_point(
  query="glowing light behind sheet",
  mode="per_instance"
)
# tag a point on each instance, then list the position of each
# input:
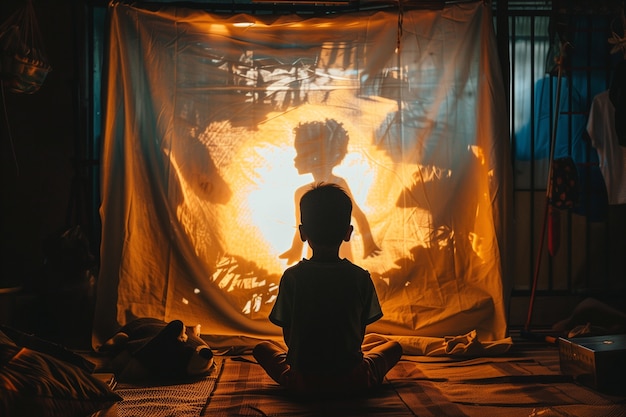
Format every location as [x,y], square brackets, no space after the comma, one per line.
[272,202]
[200,180]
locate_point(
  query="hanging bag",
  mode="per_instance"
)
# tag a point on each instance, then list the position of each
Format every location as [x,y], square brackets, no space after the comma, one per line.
[564,188]
[23,62]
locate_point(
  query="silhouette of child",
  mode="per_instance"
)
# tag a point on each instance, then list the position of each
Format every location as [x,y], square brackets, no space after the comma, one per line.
[324,305]
[321,146]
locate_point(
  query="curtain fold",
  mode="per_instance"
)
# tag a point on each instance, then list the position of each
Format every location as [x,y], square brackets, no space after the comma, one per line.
[215,124]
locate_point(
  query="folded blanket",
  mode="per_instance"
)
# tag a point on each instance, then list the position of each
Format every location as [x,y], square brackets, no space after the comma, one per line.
[466,345]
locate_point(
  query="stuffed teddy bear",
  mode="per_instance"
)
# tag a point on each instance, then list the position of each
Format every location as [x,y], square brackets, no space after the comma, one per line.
[149,348]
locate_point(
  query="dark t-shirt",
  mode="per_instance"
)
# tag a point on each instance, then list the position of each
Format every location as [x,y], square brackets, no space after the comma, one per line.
[325,306]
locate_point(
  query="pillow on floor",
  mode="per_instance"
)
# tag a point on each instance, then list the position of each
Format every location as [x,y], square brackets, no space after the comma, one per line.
[37,384]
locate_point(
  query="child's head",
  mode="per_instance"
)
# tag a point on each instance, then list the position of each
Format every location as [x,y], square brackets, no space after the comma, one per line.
[320,143]
[325,213]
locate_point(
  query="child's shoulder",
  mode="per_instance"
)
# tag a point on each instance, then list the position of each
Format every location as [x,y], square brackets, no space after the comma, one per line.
[342,265]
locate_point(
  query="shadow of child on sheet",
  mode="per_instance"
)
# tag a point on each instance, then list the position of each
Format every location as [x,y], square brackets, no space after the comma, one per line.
[320,147]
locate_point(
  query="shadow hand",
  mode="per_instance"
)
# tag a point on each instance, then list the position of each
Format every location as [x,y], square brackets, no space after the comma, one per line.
[370,249]
[292,255]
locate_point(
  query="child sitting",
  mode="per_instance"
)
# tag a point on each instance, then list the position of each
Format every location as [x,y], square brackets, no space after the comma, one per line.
[323,306]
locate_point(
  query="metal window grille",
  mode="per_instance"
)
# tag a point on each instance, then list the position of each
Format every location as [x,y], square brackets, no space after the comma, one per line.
[590,258]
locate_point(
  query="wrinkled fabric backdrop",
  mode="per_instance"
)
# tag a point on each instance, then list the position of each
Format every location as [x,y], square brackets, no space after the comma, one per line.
[199,177]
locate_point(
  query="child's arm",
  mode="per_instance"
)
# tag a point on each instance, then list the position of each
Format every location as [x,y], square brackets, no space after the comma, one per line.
[370,248]
[286,335]
[294,254]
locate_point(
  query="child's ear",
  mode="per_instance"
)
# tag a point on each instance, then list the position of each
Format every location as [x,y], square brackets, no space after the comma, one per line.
[348,233]
[303,236]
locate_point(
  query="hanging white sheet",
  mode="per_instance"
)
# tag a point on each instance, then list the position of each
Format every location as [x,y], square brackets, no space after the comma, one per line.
[201,167]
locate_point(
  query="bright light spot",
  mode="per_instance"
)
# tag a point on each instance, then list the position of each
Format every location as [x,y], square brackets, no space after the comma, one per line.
[185,301]
[219,29]
[273,208]
[196,290]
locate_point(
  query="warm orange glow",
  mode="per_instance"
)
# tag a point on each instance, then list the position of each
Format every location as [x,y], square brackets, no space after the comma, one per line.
[213,138]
